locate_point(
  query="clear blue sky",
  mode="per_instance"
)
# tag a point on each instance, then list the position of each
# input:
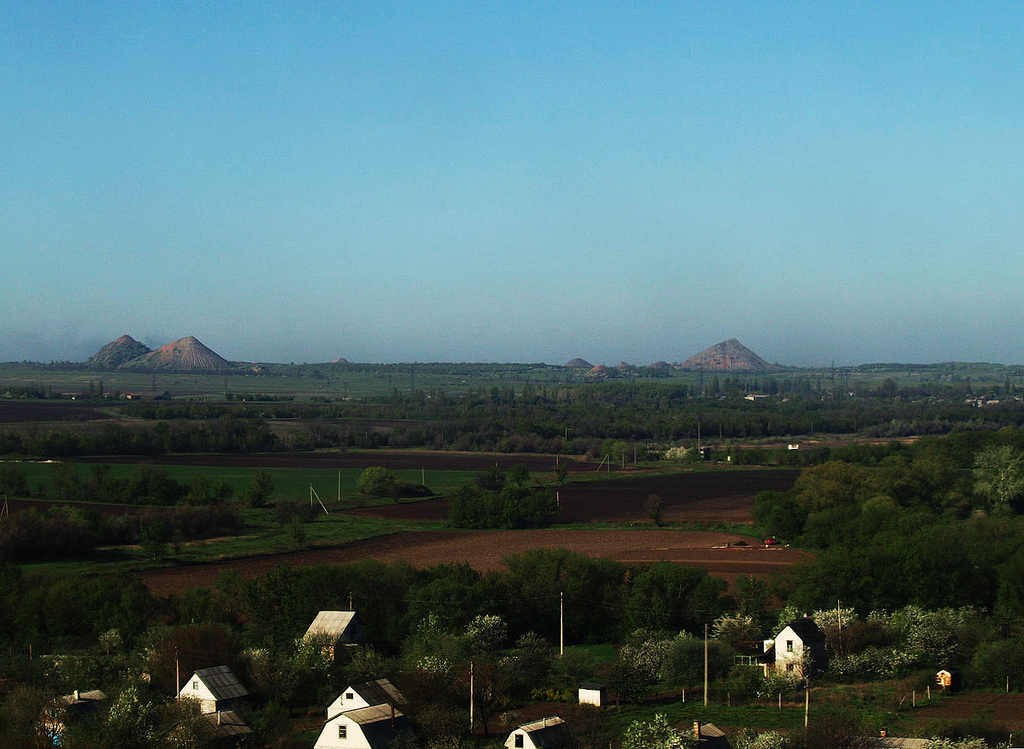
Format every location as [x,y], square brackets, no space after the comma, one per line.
[481,181]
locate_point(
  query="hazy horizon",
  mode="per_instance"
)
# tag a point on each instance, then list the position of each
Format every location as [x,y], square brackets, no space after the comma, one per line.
[391,182]
[608,363]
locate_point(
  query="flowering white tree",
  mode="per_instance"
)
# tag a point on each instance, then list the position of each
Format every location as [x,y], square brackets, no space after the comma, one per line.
[656,733]
[739,631]
[766,740]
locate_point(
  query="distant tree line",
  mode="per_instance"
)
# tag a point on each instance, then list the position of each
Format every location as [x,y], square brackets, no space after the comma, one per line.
[549,418]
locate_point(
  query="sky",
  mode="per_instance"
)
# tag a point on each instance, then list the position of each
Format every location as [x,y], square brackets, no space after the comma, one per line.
[514,182]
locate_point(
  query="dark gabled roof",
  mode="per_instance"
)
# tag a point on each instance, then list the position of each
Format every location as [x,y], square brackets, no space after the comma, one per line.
[378,692]
[222,682]
[227,723]
[592,686]
[549,733]
[712,737]
[806,629]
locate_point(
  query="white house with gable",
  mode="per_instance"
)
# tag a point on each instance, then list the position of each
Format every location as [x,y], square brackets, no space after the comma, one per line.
[374,727]
[799,648]
[216,689]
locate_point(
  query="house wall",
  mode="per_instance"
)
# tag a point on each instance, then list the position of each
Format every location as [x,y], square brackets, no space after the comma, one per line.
[354,738]
[195,689]
[345,703]
[510,742]
[789,652]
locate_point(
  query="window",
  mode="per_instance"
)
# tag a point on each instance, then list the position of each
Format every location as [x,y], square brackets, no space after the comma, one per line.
[519,741]
[342,731]
[789,646]
[349,695]
[195,684]
[790,667]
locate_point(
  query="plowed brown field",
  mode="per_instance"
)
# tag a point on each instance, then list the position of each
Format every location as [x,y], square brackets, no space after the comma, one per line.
[484,550]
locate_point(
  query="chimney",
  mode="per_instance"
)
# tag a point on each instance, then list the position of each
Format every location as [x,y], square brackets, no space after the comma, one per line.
[77,696]
[696,729]
[218,717]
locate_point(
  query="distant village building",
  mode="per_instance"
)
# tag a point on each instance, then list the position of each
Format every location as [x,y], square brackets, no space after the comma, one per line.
[332,628]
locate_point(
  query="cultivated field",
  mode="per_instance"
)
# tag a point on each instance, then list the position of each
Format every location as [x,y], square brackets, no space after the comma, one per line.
[484,550]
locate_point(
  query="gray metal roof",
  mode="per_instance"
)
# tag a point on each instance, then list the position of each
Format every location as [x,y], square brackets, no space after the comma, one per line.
[895,742]
[549,733]
[222,682]
[380,724]
[378,692]
[364,716]
[330,623]
[90,696]
[227,723]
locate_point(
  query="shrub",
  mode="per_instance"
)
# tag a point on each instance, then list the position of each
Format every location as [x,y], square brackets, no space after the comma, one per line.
[377,481]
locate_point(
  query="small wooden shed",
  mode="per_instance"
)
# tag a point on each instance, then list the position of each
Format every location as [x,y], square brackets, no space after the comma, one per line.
[593,694]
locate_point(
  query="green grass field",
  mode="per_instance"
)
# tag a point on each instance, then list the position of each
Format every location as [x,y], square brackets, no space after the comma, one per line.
[292,483]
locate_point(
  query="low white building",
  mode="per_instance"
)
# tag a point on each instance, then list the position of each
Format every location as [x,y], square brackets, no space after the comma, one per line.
[593,694]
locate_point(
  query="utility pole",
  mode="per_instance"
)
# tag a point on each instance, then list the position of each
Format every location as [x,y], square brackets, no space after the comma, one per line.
[705,664]
[177,675]
[471,697]
[561,623]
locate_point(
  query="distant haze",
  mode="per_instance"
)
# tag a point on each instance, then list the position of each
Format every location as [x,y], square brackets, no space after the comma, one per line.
[629,182]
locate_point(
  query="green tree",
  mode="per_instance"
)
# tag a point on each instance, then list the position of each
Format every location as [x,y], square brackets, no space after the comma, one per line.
[672,597]
[654,506]
[262,486]
[377,481]
[999,476]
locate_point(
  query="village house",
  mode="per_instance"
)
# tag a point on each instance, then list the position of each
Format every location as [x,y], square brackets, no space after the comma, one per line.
[69,707]
[365,694]
[546,733]
[799,649]
[332,628]
[374,727]
[217,689]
